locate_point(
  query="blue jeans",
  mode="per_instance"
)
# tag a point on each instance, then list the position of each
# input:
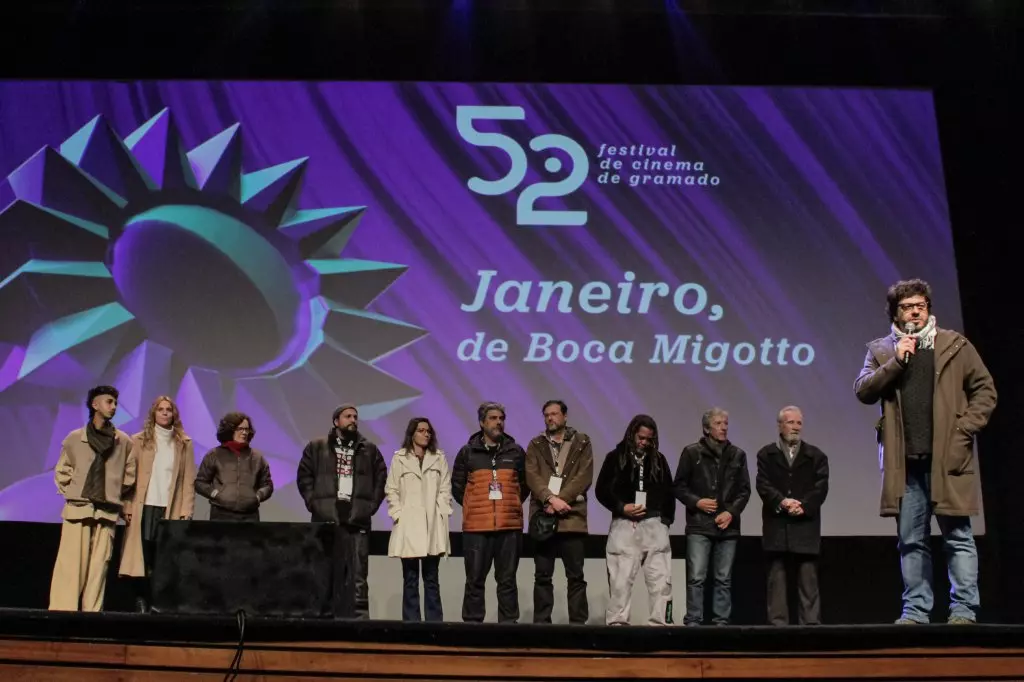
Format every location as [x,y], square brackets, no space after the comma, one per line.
[914,529]
[411,589]
[719,552]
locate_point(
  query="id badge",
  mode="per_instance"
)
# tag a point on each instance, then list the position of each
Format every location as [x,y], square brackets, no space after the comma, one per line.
[345,486]
[494,491]
[555,484]
[641,498]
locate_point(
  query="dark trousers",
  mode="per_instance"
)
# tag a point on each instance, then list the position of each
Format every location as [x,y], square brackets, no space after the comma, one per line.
[570,546]
[221,514]
[411,589]
[781,564]
[480,550]
[351,568]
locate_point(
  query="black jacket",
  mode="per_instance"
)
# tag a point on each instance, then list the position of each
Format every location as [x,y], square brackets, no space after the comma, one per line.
[317,481]
[807,481]
[703,474]
[617,485]
[238,483]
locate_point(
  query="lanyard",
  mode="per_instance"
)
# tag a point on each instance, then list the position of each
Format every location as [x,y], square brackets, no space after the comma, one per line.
[556,449]
[341,451]
[494,467]
[640,468]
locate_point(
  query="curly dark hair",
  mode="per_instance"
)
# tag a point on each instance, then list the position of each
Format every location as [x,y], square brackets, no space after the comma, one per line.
[229,423]
[629,439]
[905,289]
[97,391]
[410,431]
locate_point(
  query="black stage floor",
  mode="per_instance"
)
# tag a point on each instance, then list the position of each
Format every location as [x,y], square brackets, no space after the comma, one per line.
[142,628]
[79,647]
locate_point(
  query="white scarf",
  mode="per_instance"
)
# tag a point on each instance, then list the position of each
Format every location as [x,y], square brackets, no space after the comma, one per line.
[925,336]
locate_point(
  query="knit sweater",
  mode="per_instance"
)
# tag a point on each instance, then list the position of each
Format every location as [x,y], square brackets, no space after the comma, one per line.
[159,488]
[916,395]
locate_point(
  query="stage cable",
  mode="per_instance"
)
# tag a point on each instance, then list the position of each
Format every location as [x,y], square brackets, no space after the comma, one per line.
[236,662]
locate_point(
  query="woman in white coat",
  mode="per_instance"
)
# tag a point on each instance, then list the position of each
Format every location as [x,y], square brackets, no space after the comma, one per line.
[419,493]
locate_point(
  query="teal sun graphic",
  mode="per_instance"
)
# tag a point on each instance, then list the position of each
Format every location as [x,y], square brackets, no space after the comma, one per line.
[159,270]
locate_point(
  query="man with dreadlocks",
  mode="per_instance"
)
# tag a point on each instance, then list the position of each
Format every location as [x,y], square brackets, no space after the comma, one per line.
[95,474]
[635,484]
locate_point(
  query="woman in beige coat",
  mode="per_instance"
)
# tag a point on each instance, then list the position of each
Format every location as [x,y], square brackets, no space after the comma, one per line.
[419,494]
[163,489]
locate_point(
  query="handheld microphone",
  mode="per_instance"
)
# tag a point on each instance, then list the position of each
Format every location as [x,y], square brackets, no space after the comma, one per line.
[911,328]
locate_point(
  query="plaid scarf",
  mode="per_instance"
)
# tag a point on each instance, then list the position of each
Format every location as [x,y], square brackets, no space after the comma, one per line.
[925,335]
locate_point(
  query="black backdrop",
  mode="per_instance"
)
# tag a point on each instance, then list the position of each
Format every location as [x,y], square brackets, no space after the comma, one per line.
[967,51]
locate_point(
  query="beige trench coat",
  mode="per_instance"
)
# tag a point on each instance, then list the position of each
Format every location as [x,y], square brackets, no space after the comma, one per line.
[420,503]
[964,399]
[182,497]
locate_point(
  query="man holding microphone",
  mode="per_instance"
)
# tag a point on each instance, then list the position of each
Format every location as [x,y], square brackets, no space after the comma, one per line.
[936,395]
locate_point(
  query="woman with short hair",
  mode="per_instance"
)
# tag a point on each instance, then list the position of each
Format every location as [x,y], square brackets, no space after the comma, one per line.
[233,476]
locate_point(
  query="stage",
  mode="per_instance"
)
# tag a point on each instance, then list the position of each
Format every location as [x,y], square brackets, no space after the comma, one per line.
[833,184]
[39,645]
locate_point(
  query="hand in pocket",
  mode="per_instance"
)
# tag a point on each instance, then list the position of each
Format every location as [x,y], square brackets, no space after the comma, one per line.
[961,455]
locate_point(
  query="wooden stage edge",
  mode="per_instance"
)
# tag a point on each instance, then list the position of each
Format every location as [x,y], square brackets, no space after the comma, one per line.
[33,659]
[39,645]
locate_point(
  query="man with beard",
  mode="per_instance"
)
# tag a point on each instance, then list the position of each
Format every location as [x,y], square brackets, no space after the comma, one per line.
[95,473]
[635,484]
[489,481]
[936,395]
[559,471]
[792,480]
[713,484]
[341,479]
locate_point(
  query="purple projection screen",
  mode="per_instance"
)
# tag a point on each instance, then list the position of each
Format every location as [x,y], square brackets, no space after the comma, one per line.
[279,248]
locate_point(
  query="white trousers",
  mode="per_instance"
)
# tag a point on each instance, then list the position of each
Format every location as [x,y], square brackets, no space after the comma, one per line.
[631,546]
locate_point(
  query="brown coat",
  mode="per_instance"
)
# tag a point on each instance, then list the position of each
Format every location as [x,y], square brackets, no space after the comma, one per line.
[76,456]
[238,483]
[964,398]
[182,498]
[577,477]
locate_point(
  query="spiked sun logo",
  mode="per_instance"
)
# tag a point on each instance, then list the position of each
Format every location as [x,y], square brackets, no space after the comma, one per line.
[135,263]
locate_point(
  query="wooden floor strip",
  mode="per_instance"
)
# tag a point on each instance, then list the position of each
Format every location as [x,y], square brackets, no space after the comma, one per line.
[25,659]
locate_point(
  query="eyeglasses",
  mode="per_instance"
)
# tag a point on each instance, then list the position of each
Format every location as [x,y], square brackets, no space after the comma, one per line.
[243,430]
[907,307]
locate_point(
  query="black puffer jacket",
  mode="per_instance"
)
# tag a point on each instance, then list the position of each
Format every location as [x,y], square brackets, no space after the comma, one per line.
[317,481]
